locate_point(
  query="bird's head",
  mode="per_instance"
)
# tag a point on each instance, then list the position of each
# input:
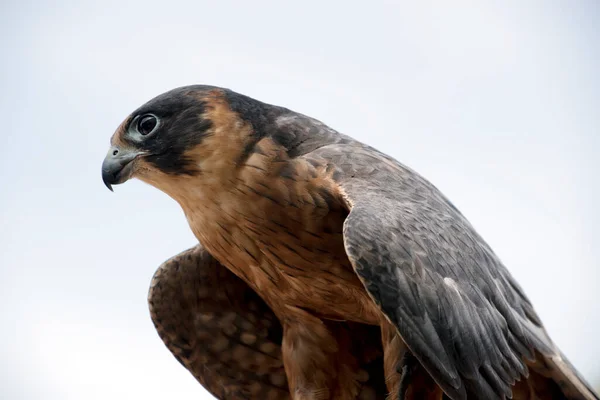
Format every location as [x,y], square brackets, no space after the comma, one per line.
[186,133]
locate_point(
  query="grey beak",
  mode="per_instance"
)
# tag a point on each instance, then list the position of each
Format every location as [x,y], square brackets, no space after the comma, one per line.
[117,166]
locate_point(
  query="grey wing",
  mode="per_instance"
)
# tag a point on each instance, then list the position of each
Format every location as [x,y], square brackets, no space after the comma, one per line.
[218,328]
[455,305]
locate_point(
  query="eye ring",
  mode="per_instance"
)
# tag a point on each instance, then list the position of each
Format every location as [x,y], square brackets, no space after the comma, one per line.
[146,124]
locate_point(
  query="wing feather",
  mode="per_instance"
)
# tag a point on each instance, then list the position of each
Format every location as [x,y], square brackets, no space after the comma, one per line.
[228,338]
[218,328]
[454,303]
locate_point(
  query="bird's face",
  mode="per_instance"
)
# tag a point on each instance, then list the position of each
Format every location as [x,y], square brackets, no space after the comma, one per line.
[155,138]
[182,134]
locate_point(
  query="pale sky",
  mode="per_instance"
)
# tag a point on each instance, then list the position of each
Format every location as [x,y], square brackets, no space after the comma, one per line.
[497,103]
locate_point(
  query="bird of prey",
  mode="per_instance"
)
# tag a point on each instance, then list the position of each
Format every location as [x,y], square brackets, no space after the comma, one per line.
[325,269]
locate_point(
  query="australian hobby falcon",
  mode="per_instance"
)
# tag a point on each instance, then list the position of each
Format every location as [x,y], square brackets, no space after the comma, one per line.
[325,269]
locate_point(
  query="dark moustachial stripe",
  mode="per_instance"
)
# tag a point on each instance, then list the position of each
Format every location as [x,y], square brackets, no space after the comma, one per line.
[179,110]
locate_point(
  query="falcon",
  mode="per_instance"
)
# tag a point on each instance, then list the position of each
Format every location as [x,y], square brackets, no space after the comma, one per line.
[325,269]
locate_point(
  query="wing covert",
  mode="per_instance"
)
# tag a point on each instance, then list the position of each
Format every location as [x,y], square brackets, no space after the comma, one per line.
[218,328]
[454,303]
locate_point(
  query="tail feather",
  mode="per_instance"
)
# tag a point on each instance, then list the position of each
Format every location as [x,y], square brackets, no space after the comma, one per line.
[553,377]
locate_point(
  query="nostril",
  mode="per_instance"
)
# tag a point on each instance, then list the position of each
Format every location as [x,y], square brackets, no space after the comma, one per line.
[115,152]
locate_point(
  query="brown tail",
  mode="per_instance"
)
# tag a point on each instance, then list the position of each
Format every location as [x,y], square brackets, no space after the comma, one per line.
[553,377]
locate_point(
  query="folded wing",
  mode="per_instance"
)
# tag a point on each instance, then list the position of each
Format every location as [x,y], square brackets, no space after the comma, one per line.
[455,305]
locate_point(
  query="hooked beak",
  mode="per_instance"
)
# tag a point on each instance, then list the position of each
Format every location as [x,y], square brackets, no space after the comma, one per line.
[117,166]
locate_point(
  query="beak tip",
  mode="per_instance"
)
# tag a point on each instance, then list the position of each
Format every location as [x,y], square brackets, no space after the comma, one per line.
[109,186]
[118,166]
[106,182]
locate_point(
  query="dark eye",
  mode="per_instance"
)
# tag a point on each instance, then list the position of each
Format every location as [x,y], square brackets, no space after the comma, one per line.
[146,124]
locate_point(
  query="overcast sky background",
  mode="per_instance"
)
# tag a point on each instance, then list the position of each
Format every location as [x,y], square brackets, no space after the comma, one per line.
[496,102]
